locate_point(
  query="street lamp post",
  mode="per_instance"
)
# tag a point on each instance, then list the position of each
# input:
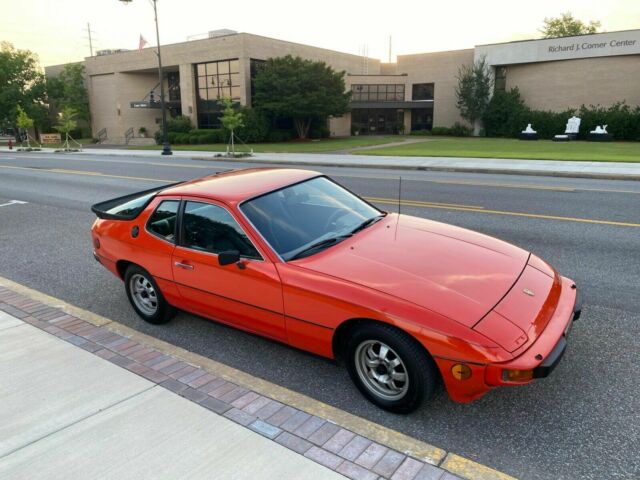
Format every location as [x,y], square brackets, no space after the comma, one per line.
[166,150]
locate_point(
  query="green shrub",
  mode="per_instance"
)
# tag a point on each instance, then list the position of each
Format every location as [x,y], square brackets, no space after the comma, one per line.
[256,126]
[547,123]
[82,132]
[178,137]
[277,136]
[506,114]
[622,121]
[420,132]
[440,131]
[195,137]
[460,130]
[319,132]
[179,124]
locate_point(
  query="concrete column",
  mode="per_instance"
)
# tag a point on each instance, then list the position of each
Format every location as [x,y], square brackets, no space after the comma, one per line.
[188,97]
[407,121]
[245,81]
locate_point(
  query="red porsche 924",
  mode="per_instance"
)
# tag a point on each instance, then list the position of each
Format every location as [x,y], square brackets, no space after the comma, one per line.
[291,255]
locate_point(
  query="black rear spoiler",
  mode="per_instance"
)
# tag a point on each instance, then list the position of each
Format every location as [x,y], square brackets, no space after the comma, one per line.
[105,209]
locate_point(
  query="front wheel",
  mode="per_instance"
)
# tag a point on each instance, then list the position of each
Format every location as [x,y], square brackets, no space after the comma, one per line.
[389,367]
[145,296]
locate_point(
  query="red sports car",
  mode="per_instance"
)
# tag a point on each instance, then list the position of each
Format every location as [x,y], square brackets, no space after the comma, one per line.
[291,255]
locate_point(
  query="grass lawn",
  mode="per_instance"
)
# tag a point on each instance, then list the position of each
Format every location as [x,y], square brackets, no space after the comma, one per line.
[306,146]
[511,148]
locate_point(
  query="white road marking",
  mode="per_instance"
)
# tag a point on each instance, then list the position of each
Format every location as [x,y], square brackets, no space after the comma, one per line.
[13,202]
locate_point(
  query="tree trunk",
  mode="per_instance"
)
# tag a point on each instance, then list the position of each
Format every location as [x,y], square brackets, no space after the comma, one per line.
[302,127]
[477,126]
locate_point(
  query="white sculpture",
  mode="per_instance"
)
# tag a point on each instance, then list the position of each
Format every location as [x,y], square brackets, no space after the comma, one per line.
[600,130]
[573,125]
[529,129]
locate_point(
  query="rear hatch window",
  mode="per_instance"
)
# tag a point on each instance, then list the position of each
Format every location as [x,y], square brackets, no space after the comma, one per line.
[127,207]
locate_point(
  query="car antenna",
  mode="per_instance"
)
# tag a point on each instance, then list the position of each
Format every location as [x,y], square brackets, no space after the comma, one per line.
[399,206]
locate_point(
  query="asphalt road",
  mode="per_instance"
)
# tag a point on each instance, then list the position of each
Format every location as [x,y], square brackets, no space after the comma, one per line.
[583,422]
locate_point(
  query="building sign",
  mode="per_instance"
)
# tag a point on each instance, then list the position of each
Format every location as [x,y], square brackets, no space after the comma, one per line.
[50,138]
[145,104]
[591,46]
[567,48]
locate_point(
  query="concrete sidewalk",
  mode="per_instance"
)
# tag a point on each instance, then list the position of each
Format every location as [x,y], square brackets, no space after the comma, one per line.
[69,414]
[603,170]
[79,398]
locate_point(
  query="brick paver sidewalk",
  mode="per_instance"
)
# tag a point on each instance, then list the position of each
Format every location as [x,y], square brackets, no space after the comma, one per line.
[326,443]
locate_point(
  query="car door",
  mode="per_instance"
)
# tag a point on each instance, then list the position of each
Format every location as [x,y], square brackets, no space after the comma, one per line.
[247,294]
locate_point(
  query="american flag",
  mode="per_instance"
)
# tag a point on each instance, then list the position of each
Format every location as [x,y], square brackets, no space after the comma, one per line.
[142,43]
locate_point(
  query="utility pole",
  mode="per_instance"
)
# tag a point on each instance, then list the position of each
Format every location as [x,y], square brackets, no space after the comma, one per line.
[90,42]
[389,48]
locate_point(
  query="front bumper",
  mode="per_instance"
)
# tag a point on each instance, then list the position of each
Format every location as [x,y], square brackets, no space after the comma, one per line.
[543,356]
[552,361]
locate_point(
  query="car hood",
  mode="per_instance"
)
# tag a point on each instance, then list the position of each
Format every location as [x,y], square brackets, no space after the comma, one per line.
[456,272]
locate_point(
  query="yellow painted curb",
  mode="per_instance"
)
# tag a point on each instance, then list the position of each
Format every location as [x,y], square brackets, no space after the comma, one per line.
[393,439]
[471,470]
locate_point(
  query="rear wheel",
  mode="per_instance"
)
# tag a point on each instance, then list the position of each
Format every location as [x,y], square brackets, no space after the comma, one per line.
[389,367]
[145,296]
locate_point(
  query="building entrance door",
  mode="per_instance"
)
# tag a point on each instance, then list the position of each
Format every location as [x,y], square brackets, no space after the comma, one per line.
[377,121]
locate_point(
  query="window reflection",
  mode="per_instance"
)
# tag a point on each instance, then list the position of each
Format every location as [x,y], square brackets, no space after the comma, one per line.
[216,80]
[377,93]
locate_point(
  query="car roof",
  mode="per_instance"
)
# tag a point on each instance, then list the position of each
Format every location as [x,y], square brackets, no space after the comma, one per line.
[238,185]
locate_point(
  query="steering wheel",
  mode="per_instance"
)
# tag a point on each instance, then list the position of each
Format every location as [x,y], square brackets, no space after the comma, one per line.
[334,217]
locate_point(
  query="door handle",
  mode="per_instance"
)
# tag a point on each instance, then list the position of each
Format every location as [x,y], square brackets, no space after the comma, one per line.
[186,266]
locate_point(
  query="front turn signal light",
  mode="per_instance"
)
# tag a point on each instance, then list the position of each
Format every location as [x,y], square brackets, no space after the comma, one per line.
[520,376]
[460,371]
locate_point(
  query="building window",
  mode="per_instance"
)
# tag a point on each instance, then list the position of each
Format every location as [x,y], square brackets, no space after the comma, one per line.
[173,80]
[214,81]
[500,83]
[422,91]
[371,121]
[377,93]
[422,119]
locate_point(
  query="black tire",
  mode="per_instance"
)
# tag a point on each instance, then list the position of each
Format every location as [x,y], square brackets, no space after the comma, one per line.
[420,369]
[163,312]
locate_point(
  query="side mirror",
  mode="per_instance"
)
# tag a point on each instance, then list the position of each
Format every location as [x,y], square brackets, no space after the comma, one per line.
[228,257]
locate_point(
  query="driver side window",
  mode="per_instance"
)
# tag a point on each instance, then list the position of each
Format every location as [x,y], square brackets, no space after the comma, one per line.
[212,229]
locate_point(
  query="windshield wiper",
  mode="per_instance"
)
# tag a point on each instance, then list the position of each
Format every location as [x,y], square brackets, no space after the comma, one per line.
[327,242]
[367,223]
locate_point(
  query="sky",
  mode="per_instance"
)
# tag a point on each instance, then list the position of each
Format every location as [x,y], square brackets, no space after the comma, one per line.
[56,30]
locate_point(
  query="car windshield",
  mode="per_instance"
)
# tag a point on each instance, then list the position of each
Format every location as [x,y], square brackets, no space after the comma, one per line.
[305,218]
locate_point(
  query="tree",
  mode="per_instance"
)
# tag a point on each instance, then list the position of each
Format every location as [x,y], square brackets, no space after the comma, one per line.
[231,120]
[473,91]
[506,115]
[66,124]
[21,84]
[567,25]
[299,89]
[24,122]
[68,89]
